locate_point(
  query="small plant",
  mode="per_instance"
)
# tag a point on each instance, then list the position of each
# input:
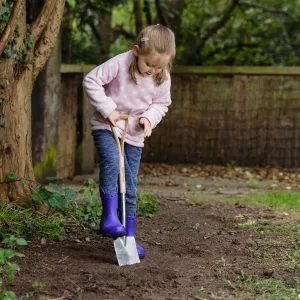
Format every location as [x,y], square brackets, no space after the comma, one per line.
[8,268]
[230,167]
[36,289]
[194,196]
[146,204]
[91,210]
[58,197]
[249,223]
[252,183]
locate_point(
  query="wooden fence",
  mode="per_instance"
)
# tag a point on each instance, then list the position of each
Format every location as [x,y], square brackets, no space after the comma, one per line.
[246,115]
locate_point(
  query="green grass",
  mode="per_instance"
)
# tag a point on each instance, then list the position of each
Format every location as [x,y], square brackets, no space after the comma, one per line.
[266,288]
[146,204]
[24,222]
[288,200]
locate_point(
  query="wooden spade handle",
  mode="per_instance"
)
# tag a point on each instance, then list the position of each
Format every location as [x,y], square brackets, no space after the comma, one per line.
[120,145]
[123,116]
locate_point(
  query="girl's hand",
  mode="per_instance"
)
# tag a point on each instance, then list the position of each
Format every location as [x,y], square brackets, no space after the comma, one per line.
[114,117]
[145,123]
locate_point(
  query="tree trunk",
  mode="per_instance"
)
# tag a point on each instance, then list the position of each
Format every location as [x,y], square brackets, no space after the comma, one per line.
[16,80]
[15,137]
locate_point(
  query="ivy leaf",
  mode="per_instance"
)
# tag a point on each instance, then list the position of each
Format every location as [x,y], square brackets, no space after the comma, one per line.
[12,176]
[8,51]
[58,202]
[21,242]
[70,194]
[2,123]
[40,193]
[90,183]
[4,13]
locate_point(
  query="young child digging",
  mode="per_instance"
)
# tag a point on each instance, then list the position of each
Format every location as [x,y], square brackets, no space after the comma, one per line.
[138,83]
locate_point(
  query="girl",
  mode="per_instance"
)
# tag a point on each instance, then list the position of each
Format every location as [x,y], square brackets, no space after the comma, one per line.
[138,83]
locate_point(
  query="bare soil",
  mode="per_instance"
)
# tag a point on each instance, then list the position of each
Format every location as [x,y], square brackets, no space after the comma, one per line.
[191,249]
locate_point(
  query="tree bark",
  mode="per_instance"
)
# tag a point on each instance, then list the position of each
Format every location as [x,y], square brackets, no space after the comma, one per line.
[147,12]
[138,16]
[15,137]
[16,80]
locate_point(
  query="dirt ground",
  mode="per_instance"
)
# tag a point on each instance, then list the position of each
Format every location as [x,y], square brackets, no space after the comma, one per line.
[195,246]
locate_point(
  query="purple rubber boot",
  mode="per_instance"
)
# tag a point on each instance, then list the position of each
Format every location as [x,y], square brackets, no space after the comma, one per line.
[110,224]
[130,228]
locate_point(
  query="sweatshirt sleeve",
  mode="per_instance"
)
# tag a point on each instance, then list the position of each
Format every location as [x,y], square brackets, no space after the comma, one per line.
[93,86]
[159,107]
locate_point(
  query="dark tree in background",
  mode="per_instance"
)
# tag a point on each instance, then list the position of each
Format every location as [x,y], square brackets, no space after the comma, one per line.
[208,32]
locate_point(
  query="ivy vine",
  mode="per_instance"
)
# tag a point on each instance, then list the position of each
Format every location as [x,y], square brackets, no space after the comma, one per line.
[5,11]
[21,54]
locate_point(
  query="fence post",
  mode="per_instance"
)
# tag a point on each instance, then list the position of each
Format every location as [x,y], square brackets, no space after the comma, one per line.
[67,126]
[87,144]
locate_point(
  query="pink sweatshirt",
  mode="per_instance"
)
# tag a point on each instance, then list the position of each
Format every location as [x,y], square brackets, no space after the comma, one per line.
[110,87]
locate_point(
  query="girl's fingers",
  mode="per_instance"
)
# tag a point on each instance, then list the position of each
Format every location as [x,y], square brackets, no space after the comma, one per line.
[148,132]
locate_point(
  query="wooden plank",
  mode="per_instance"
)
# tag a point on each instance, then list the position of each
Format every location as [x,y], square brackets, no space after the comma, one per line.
[246,70]
[87,145]
[45,106]
[225,70]
[67,127]
[69,68]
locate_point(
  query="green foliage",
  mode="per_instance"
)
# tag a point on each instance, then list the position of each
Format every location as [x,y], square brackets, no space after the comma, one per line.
[54,200]
[27,41]
[22,54]
[58,197]
[12,176]
[9,50]
[89,211]
[5,11]
[37,287]
[8,268]
[146,204]
[256,32]
[21,222]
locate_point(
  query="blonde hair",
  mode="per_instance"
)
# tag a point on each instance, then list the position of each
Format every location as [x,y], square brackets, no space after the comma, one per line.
[156,38]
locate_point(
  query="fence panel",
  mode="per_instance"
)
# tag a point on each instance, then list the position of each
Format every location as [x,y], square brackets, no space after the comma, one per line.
[247,115]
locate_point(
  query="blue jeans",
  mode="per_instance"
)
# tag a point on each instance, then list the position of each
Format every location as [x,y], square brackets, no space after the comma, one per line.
[109,167]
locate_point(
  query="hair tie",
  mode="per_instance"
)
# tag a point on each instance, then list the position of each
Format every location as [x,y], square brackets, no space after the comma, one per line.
[144,39]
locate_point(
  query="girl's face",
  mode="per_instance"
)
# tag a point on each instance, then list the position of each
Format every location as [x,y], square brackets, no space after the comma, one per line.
[151,64]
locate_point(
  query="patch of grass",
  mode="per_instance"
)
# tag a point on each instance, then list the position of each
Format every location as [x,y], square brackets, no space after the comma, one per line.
[194,196]
[289,200]
[253,183]
[289,253]
[269,288]
[289,228]
[248,223]
[25,222]
[146,204]
[292,229]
